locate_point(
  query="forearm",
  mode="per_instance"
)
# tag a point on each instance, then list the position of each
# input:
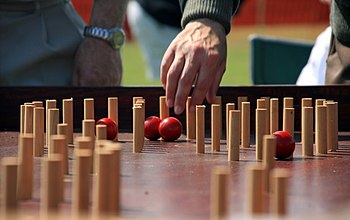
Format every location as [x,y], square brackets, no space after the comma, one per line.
[108,13]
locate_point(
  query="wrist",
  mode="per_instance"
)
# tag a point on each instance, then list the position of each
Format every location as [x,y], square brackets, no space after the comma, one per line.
[219,11]
[214,25]
[115,37]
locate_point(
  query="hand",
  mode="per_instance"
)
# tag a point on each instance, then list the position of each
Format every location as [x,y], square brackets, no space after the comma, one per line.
[196,56]
[97,64]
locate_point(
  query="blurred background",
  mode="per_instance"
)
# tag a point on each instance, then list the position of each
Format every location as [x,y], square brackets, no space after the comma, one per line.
[297,20]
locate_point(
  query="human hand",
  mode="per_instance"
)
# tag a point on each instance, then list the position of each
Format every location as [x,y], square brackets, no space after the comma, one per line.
[196,56]
[97,64]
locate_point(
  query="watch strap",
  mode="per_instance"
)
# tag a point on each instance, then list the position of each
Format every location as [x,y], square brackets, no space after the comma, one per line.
[97,32]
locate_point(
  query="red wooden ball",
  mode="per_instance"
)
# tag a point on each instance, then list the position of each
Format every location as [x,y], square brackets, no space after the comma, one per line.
[170,129]
[151,126]
[112,127]
[285,144]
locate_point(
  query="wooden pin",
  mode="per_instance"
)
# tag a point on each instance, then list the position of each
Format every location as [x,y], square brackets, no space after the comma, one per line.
[8,190]
[269,153]
[101,187]
[336,125]
[241,99]
[138,128]
[279,202]
[274,115]
[261,103]
[332,142]
[256,180]
[319,102]
[288,102]
[306,102]
[269,146]
[50,182]
[219,193]
[288,120]
[81,180]
[38,134]
[267,104]
[22,113]
[58,146]
[87,144]
[260,131]
[200,129]
[62,129]
[89,108]
[141,130]
[25,168]
[67,109]
[215,127]
[113,111]
[53,120]
[89,129]
[38,104]
[28,119]
[135,98]
[233,140]
[229,107]
[101,132]
[84,143]
[115,177]
[163,108]
[190,121]
[307,131]
[218,101]
[245,124]
[321,129]
[50,103]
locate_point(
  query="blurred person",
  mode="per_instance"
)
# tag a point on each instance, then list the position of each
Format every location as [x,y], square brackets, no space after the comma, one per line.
[338,61]
[154,24]
[42,43]
[314,72]
[45,43]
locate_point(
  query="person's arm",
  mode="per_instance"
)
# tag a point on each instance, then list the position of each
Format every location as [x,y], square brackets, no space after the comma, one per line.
[197,56]
[96,62]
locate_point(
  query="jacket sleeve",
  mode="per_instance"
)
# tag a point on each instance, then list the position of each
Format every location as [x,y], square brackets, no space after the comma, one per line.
[218,10]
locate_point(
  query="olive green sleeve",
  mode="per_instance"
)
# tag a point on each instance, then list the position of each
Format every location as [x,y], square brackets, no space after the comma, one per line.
[340,21]
[218,10]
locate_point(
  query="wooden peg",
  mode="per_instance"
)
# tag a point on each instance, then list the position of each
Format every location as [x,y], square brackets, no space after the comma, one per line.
[200,129]
[190,121]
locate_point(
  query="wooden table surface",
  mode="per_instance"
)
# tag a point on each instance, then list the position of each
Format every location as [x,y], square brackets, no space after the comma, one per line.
[168,180]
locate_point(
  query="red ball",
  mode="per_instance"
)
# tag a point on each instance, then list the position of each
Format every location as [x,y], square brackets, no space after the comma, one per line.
[170,129]
[285,144]
[112,127]
[151,128]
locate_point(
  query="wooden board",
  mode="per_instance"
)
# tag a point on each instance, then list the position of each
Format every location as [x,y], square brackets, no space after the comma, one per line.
[169,181]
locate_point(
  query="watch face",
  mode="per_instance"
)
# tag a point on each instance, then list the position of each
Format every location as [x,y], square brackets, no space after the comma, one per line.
[118,38]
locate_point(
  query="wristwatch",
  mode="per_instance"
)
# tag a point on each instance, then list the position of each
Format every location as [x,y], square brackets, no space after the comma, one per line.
[114,36]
